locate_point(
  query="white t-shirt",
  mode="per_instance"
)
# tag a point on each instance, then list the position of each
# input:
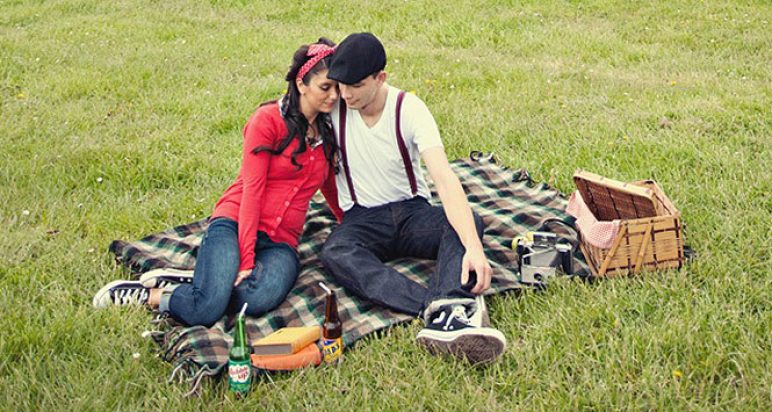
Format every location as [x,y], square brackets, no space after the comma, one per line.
[376,166]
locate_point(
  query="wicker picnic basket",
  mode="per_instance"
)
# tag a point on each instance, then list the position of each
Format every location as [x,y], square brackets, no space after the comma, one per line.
[650,233]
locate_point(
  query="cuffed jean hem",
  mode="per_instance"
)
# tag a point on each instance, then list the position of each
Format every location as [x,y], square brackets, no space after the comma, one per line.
[166,296]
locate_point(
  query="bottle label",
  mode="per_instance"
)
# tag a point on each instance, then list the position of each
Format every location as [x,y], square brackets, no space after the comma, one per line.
[332,349]
[239,376]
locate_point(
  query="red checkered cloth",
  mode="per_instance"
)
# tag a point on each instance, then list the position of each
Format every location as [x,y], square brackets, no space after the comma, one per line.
[598,233]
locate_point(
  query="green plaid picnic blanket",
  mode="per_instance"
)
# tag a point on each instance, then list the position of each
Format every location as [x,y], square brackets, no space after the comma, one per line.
[509,202]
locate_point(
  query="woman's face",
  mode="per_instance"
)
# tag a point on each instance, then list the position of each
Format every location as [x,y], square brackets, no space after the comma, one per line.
[321,93]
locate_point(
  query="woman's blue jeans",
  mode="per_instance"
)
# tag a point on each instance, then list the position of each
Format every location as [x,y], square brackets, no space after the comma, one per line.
[211,294]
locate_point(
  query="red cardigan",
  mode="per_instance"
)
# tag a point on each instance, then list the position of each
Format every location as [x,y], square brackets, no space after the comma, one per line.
[270,194]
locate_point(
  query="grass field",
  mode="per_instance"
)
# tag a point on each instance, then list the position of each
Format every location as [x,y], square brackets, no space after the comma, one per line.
[122,118]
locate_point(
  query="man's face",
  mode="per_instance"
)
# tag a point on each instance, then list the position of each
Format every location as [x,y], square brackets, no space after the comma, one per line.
[361,94]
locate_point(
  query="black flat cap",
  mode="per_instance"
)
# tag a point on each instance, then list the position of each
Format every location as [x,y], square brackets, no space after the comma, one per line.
[357,56]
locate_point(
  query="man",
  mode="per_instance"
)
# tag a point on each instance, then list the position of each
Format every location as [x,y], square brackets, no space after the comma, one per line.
[383,135]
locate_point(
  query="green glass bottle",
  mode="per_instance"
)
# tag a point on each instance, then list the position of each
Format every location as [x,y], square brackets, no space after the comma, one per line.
[239,367]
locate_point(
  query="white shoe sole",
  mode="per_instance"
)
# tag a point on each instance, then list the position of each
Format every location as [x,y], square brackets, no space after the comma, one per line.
[477,345]
[149,279]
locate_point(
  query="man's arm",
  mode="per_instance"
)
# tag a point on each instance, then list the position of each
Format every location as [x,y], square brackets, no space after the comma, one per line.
[459,215]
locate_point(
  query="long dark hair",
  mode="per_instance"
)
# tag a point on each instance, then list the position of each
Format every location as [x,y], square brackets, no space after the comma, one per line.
[297,124]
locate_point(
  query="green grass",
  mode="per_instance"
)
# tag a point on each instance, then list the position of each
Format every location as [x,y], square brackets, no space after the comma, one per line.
[123,118]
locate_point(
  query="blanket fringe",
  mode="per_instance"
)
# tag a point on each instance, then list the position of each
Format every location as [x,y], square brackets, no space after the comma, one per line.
[188,370]
[195,381]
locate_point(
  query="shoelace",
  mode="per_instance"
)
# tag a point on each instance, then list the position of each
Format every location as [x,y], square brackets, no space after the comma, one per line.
[459,312]
[129,296]
[162,283]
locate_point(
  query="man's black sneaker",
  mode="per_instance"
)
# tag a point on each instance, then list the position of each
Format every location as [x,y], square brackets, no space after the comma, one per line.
[121,292]
[459,327]
[163,277]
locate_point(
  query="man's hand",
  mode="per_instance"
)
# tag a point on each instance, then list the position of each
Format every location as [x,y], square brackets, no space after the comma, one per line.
[475,260]
[241,276]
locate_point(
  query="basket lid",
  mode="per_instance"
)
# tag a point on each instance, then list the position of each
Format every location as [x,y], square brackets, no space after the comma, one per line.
[610,199]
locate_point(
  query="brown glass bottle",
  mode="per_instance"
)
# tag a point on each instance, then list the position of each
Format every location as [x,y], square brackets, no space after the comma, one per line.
[332,331]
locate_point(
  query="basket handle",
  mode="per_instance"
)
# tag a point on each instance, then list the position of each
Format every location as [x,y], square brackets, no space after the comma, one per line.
[642,250]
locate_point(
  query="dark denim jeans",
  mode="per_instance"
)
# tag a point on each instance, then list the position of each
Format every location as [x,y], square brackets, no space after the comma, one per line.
[206,300]
[355,251]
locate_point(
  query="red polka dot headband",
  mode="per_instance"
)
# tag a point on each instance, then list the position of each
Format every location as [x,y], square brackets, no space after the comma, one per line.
[318,52]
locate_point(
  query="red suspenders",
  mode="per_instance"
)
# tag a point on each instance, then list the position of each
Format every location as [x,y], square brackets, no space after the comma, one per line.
[403,148]
[400,143]
[344,158]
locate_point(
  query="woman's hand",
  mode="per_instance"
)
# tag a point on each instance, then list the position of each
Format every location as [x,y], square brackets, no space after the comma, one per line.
[241,276]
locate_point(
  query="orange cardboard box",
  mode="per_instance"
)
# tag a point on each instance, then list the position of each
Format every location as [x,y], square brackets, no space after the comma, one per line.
[307,356]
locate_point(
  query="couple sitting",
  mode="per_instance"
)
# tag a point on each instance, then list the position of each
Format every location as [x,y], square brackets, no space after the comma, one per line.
[363,152]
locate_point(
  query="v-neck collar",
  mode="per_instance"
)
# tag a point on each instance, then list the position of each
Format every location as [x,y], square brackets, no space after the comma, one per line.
[380,119]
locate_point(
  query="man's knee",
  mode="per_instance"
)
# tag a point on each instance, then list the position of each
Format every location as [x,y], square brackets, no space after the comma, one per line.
[332,250]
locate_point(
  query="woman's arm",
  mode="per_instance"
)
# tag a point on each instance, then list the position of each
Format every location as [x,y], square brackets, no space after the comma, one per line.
[330,193]
[254,171]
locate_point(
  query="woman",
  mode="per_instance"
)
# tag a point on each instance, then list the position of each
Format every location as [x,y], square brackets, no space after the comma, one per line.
[248,253]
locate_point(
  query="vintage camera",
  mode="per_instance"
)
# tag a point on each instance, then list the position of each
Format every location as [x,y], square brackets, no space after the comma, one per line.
[541,255]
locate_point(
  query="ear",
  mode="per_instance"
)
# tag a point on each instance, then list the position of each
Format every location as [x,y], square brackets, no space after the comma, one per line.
[381,76]
[301,86]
